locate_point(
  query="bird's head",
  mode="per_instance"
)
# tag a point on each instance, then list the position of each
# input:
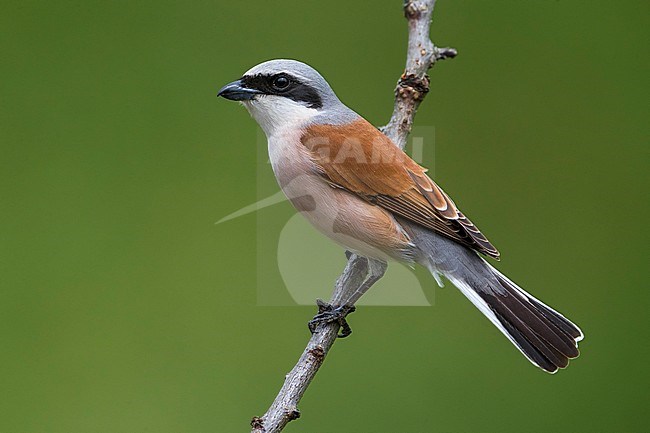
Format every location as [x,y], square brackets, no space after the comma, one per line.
[285,93]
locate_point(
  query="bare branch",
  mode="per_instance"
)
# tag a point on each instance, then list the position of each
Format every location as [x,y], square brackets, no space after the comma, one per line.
[284,408]
[413,85]
[361,273]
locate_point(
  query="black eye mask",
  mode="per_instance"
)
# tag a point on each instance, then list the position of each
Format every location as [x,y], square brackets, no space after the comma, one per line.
[296,90]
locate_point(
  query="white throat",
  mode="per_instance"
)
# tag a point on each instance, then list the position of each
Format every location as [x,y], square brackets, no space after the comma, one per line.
[276,113]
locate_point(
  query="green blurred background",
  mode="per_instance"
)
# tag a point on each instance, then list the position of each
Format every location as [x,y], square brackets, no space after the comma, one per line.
[123,308]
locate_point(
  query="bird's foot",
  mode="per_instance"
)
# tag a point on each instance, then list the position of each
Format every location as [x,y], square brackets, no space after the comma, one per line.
[328,314]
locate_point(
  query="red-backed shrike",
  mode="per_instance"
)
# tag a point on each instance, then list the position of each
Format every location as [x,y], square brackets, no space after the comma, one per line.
[357,187]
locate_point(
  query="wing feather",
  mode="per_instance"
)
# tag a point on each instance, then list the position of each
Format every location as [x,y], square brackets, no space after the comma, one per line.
[359,158]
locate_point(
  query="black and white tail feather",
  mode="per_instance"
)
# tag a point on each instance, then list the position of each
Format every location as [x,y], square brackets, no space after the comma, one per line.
[547,338]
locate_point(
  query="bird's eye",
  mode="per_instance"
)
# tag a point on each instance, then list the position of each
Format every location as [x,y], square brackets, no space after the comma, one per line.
[281,82]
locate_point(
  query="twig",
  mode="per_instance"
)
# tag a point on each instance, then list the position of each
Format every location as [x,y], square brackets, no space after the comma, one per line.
[361,273]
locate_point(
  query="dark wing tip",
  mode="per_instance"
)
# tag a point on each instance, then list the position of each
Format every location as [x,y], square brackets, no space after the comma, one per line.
[447,210]
[483,245]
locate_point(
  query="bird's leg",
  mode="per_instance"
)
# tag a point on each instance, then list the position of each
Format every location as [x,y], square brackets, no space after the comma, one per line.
[373,271]
[359,275]
[328,314]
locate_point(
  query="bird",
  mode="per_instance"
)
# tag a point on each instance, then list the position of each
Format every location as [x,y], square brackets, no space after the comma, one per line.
[354,185]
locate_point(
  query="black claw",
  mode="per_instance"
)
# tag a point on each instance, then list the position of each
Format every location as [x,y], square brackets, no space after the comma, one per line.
[328,314]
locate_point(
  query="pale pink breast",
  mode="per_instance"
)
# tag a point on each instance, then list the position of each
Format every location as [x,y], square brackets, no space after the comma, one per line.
[344,217]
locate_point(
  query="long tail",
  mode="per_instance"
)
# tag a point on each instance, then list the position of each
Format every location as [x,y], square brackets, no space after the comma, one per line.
[547,338]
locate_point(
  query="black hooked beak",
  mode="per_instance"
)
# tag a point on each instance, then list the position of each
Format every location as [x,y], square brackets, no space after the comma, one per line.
[236,91]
